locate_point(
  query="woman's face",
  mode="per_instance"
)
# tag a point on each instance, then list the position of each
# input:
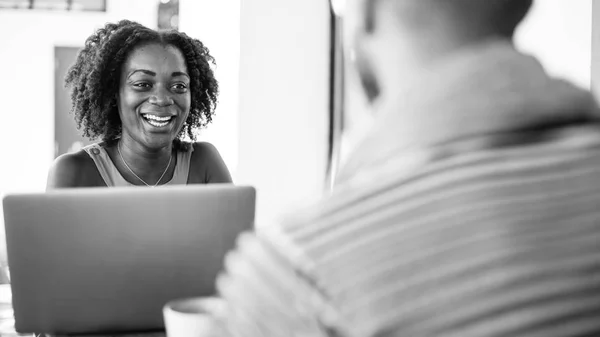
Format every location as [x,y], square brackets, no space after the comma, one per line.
[154,95]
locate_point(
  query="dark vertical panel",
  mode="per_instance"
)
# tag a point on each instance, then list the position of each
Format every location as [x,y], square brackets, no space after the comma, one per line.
[66,135]
[336,102]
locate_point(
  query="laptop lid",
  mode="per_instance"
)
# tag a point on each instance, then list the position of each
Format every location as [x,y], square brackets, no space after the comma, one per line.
[106,260]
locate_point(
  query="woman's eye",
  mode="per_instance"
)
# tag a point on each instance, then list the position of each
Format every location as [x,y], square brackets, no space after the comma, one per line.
[142,85]
[180,87]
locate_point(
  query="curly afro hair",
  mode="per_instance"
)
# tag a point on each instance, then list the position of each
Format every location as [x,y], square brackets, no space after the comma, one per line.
[94,78]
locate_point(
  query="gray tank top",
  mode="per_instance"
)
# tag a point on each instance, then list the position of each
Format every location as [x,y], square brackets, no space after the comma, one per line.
[113,178]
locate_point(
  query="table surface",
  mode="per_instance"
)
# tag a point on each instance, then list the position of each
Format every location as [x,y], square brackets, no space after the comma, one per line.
[7,322]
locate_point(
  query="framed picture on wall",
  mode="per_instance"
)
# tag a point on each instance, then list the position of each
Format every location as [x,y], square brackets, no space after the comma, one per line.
[61,5]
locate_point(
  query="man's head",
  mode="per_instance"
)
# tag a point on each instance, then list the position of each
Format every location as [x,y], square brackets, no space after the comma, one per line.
[391,38]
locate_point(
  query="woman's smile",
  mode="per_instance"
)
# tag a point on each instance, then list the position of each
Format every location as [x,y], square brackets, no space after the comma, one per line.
[158,121]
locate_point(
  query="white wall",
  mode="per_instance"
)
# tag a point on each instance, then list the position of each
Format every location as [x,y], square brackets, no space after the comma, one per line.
[27,41]
[559,33]
[596,48]
[284,95]
[217,25]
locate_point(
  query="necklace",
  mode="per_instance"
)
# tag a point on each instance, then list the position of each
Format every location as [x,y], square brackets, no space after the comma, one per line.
[142,180]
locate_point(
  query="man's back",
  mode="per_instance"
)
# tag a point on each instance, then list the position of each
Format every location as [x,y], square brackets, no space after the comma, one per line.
[503,242]
[492,231]
[469,209]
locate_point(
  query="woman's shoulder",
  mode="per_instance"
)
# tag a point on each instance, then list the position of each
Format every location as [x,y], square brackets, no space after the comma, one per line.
[73,170]
[73,161]
[207,162]
[204,149]
[196,148]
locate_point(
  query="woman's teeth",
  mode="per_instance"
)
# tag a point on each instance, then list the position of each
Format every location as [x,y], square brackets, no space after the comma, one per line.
[157,124]
[156,120]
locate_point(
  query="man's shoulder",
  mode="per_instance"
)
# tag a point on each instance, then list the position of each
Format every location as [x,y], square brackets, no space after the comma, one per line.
[402,190]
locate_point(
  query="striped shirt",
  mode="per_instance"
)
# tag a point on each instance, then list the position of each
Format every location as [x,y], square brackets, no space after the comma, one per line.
[501,239]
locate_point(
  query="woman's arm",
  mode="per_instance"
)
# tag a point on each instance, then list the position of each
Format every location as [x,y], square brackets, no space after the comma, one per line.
[207,162]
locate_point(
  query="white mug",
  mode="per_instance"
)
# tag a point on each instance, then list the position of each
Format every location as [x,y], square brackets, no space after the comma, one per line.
[193,317]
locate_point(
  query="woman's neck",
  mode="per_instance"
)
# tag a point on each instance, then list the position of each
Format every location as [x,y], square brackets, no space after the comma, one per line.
[148,163]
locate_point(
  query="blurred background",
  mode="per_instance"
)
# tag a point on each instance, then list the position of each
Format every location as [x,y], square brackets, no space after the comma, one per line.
[290,105]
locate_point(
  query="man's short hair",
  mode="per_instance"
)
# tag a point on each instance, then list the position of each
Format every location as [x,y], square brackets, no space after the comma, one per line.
[475,17]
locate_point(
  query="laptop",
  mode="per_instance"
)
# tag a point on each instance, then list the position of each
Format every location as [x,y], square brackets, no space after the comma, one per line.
[106,260]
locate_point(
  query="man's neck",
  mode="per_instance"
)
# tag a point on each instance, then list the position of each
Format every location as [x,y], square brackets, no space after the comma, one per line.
[424,58]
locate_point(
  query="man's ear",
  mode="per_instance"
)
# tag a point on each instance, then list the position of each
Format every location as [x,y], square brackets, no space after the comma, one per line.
[361,14]
[360,23]
[368,14]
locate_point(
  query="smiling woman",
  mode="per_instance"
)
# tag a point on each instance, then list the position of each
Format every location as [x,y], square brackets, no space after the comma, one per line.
[143,93]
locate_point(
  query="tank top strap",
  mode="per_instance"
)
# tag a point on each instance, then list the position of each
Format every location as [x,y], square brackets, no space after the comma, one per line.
[182,170]
[108,171]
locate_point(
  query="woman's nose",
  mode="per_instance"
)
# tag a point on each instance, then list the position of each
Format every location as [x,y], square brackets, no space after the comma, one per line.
[161,98]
